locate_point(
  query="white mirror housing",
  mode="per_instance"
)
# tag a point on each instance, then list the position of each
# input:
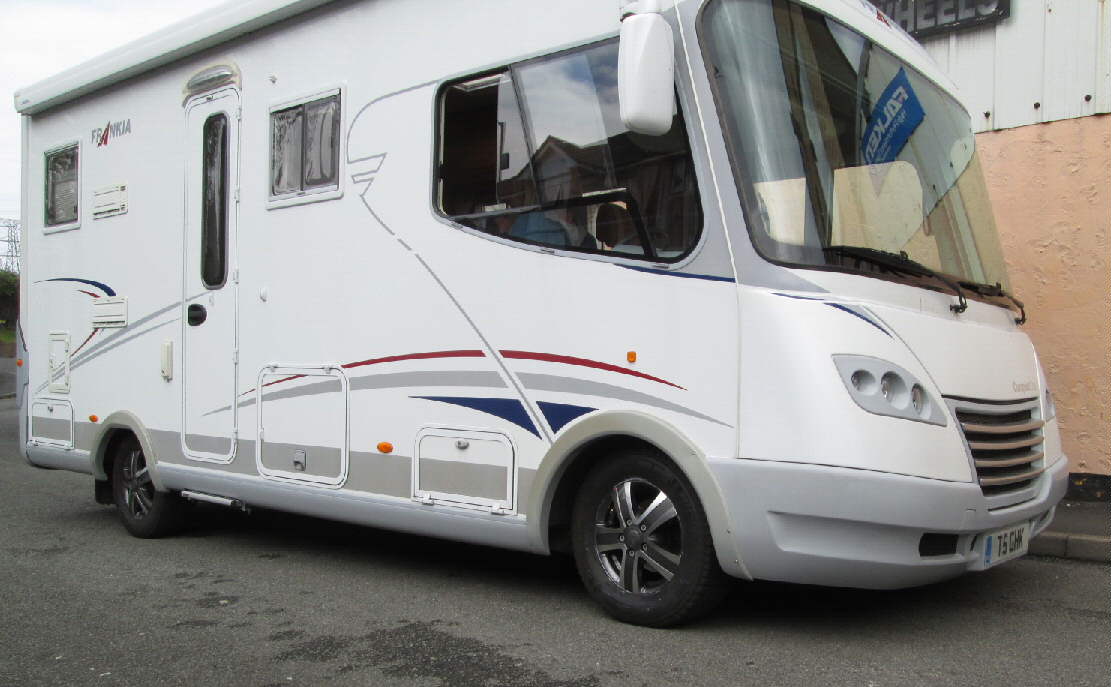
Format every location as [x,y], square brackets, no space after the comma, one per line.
[646,74]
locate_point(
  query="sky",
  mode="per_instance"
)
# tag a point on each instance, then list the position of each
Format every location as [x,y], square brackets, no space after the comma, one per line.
[39,38]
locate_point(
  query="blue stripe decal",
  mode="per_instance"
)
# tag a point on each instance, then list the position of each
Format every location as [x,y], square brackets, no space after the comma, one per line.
[108,290]
[799,298]
[685,275]
[851,311]
[559,414]
[509,409]
[860,315]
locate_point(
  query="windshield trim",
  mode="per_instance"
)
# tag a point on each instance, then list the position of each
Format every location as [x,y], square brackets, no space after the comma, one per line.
[742,189]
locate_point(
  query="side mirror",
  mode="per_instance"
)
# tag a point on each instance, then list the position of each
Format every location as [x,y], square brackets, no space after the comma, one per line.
[646,74]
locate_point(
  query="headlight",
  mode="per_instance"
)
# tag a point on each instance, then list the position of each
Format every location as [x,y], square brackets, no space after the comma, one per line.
[885,388]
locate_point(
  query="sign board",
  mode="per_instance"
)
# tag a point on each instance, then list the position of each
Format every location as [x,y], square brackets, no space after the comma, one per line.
[897,113]
[922,18]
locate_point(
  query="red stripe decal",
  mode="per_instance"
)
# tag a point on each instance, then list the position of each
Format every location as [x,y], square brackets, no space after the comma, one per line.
[584,362]
[283,379]
[87,340]
[417,356]
[89,293]
[388,359]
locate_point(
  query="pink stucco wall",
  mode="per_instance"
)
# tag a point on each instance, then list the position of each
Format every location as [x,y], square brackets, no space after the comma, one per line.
[1050,185]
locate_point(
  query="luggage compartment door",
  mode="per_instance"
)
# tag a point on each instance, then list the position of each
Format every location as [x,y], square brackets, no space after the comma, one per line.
[209,301]
[52,423]
[466,468]
[303,423]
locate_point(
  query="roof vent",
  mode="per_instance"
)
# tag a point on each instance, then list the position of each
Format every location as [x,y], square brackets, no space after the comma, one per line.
[210,79]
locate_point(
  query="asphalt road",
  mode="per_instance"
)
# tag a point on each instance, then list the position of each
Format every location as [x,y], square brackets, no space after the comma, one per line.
[270,599]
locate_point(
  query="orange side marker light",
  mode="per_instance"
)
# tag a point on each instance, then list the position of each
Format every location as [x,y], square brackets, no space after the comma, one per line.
[631,356]
[19,362]
[94,418]
[385,447]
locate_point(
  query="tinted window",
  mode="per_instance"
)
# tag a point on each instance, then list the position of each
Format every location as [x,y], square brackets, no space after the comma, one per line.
[61,186]
[214,199]
[304,147]
[538,154]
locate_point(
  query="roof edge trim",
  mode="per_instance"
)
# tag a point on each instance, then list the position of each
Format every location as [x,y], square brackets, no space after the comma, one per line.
[162,47]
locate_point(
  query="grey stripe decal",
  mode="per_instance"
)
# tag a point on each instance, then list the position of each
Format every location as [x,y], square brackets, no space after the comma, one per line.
[403,379]
[113,340]
[570,385]
[323,387]
[130,328]
[467,378]
[90,355]
[464,479]
[534,413]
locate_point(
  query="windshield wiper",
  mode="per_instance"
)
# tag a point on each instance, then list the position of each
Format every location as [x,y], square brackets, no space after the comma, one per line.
[900,262]
[996,290]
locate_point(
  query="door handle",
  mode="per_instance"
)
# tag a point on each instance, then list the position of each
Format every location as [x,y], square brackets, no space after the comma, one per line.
[196,314]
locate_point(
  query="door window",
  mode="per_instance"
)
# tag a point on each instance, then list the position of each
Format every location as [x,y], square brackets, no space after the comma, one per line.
[214,194]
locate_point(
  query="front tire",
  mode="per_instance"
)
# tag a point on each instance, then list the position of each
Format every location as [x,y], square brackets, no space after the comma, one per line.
[642,544]
[145,512]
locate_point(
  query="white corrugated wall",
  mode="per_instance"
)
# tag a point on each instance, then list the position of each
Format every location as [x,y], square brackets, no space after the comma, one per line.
[1050,60]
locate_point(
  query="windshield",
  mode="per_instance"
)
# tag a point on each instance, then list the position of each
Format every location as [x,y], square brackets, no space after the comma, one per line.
[836,142]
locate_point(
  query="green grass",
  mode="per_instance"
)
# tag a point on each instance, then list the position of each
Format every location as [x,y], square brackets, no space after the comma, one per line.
[7,334]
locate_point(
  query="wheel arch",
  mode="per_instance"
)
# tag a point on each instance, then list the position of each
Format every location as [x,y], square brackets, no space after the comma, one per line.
[587,441]
[110,432]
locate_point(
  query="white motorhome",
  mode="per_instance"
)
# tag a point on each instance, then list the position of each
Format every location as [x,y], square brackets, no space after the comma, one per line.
[706,287]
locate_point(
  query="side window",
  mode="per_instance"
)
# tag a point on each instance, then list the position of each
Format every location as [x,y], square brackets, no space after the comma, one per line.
[214,199]
[304,148]
[538,153]
[62,188]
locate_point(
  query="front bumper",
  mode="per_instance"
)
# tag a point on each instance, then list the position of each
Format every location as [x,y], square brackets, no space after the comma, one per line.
[842,527]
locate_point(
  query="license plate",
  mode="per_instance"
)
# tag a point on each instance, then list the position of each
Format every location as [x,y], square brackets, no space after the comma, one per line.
[1003,545]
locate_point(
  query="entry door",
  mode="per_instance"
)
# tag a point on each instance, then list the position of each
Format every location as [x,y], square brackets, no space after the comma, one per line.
[209,303]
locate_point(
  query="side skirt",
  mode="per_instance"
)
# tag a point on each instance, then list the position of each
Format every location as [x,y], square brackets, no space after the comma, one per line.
[54,458]
[360,508]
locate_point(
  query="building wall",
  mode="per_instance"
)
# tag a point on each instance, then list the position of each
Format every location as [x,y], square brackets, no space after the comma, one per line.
[1038,87]
[1050,185]
[1050,60]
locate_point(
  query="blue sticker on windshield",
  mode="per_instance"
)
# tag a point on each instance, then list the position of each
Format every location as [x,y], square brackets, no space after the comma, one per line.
[895,117]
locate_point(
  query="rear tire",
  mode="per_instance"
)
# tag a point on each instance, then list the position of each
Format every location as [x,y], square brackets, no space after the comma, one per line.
[145,512]
[642,544]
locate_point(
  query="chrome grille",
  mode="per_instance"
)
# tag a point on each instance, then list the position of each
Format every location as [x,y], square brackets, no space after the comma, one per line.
[1005,443]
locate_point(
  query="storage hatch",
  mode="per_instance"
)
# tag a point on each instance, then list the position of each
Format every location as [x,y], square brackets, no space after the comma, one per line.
[303,421]
[52,422]
[465,467]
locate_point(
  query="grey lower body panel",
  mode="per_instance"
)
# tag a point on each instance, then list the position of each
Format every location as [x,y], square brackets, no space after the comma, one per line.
[51,428]
[403,515]
[814,524]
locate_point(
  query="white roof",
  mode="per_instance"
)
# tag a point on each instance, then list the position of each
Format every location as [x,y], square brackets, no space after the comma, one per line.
[174,42]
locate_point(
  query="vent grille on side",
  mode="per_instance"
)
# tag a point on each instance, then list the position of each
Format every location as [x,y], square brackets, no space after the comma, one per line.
[1005,440]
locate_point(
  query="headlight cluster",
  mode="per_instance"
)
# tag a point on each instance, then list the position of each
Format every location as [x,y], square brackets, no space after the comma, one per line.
[885,388]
